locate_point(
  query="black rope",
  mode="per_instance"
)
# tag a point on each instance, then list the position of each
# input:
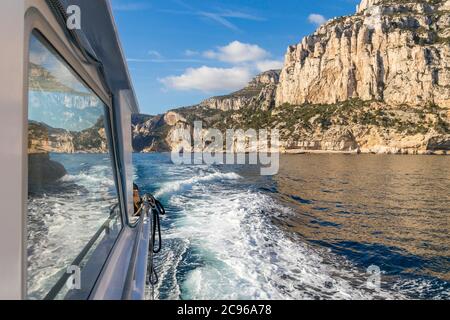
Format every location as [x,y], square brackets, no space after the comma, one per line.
[153,278]
[157,210]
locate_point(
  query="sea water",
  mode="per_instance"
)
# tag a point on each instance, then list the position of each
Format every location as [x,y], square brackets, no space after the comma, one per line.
[314,231]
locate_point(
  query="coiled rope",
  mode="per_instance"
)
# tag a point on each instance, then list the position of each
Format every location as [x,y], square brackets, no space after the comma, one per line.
[156,210]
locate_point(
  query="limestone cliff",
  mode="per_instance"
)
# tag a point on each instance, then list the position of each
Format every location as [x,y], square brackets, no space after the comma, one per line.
[149,133]
[374,82]
[392,51]
[259,92]
[42,139]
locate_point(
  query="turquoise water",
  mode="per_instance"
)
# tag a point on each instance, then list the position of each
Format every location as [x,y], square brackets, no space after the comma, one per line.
[310,232]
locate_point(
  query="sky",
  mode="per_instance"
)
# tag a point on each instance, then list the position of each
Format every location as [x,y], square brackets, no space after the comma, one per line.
[180,52]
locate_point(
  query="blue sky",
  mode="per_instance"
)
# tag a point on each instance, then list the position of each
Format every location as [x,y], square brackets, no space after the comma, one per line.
[180,52]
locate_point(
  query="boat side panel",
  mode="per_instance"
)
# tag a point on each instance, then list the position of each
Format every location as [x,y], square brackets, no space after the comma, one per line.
[12,146]
[125,133]
[17,19]
[112,280]
[140,280]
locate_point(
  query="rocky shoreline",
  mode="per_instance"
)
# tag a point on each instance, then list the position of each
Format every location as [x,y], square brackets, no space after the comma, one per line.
[389,152]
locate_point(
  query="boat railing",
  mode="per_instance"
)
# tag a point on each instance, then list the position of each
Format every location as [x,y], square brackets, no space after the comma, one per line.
[106,227]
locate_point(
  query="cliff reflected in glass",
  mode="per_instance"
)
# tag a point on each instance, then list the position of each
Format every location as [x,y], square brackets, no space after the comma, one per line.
[64,115]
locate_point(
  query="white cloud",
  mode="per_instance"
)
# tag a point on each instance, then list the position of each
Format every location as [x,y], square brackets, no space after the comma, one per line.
[164,60]
[118,5]
[155,54]
[191,53]
[40,56]
[209,79]
[221,17]
[317,19]
[246,60]
[237,52]
[240,15]
[266,65]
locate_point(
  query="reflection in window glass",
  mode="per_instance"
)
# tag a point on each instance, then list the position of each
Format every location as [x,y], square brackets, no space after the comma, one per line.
[70,178]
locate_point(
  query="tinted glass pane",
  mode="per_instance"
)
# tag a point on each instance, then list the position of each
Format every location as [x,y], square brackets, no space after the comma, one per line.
[70,177]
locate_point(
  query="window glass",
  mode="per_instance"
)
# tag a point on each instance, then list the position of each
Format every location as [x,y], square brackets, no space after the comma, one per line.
[72,217]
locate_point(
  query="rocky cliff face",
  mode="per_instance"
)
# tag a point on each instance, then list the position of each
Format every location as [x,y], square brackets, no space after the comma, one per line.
[392,51]
[259,92]
[374,82]
[149,133]
[364,126]
[155,133]
[44,139]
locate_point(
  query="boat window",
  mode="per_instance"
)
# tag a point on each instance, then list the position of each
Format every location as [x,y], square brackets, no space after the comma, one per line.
[73,216]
